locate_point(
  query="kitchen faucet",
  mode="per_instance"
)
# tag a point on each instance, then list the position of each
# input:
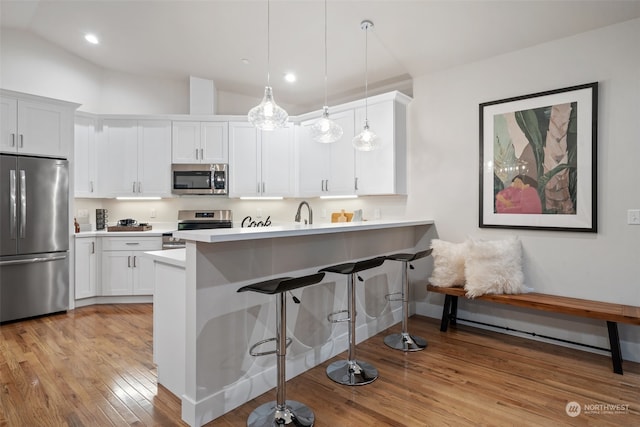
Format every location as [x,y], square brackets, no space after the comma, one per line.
[297,219]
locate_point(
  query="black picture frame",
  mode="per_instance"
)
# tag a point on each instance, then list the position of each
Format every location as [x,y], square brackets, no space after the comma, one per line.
[546,142]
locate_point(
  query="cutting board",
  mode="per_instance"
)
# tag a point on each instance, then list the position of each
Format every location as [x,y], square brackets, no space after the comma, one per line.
[335,216]
[129,228]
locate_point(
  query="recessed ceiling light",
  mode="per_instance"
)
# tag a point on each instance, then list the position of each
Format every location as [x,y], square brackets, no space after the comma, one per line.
[290,77]
[244,61]
[91,38]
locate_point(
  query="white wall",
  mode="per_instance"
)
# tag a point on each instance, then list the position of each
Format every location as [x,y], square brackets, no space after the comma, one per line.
[444,157]
[31,64]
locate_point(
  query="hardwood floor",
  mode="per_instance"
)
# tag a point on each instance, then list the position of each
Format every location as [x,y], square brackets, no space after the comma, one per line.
[93,367]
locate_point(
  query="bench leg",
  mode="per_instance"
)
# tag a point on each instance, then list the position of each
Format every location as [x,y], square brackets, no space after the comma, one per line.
[614,343]
[453,314]
[449,312]
[444,323]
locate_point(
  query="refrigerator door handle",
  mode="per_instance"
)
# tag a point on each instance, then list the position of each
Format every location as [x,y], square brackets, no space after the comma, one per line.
[23,203]
[32,260]
[13,204]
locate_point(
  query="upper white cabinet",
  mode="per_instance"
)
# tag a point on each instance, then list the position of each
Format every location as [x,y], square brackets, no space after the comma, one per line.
[383,171]
[326,169]
[200,142]
[261,163]
[35,125]
[84,159]
[135,158]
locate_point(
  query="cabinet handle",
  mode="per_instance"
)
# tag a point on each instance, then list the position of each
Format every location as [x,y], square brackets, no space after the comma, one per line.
[263,187]
[21,141]
[134,261]
[132,243]
[13,139]
[202,154]
[93,247]
[326,185]
[129,261]
[133,189]
[356,183]
[139,187]
[258,188]
[91,186]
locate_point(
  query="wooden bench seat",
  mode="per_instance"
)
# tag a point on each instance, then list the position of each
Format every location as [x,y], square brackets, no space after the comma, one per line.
[609,312]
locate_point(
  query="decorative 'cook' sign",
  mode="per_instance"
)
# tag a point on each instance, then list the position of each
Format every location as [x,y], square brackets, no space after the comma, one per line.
[249,222]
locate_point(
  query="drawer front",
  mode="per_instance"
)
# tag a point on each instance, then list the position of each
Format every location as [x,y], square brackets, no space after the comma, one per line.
[131,244]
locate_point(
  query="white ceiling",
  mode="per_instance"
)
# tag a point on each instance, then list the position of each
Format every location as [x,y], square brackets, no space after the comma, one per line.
[208,39]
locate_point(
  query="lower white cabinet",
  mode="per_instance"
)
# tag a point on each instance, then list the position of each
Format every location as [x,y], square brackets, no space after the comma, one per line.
[86,276]
[125,270]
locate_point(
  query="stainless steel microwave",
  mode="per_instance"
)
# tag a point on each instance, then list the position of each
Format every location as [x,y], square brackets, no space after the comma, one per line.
[206,178]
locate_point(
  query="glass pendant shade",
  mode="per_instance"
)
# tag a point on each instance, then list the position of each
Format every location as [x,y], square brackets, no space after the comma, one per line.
[366,140]
[268,115]
[326,130]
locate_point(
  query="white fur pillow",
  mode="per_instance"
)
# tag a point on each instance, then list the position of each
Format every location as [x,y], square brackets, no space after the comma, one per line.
[494,267]
[448,263]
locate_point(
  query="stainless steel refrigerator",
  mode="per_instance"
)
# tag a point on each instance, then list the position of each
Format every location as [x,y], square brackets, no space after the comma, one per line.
[34,236]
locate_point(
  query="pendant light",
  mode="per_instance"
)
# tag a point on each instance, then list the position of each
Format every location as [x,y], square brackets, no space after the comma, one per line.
[324,129]
[366,140]
[268,115]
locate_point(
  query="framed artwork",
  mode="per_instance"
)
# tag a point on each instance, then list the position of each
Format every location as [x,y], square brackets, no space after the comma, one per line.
[538,160]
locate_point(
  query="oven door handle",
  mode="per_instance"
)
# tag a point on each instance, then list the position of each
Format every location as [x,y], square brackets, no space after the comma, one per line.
[173,246]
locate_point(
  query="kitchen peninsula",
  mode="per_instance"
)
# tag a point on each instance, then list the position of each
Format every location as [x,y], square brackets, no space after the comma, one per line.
[203,328]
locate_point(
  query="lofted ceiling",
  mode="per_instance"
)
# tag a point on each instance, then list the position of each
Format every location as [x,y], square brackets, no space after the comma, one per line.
[210,38]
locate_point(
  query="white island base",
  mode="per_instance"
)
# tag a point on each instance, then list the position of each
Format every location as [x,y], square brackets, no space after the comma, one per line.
[203,328]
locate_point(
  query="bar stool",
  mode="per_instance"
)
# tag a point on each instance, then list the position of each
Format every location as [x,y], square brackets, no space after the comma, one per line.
[351,371]
[280,411]
[404,341]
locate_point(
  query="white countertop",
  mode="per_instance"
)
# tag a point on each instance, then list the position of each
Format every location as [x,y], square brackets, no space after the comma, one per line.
[175,257]
[292,230]
[104,233]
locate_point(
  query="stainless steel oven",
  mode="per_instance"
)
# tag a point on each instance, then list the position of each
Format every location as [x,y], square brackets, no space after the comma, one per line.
[197,220]
[206,178]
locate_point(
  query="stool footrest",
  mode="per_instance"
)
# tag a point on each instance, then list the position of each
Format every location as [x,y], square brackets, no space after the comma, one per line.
[393,296]
[330,316]
[252,351]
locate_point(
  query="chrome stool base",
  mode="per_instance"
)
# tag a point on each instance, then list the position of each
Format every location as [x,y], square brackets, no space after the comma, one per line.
[352,372]
[294,413]
[405,342]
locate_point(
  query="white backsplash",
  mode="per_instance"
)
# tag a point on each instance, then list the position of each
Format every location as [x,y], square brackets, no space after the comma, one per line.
[165,211]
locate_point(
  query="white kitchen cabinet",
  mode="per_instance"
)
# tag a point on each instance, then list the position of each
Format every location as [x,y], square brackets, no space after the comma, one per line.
[35,125]
[200,142]
[135,158]
[383,171]
[85,267]
[261,163]
[326,169]
[125,270]
[84,159]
